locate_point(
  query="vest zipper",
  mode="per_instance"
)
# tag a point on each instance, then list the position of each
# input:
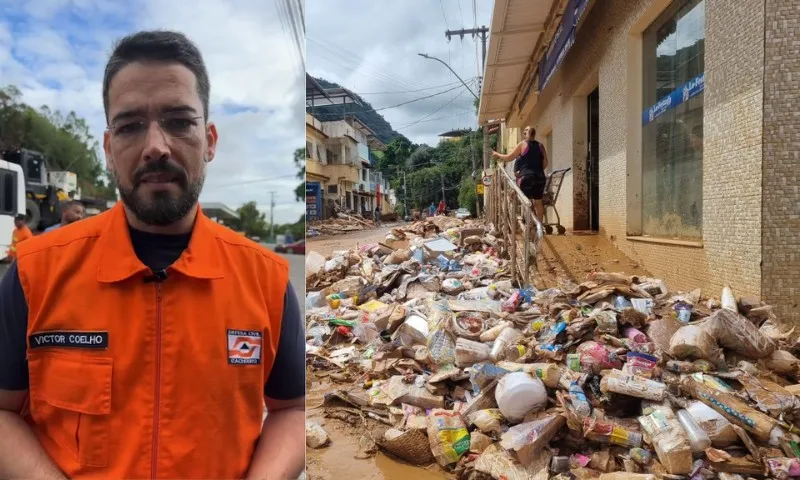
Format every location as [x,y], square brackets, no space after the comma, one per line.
[154,465]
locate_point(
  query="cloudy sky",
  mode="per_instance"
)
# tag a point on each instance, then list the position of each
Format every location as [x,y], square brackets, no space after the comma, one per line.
[54,51]
[371,46]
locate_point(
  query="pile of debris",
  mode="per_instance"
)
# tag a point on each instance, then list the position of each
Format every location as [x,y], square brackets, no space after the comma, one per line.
[442,360]
[335,226]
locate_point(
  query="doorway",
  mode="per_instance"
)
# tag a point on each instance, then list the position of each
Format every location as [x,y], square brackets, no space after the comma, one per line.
[593,159]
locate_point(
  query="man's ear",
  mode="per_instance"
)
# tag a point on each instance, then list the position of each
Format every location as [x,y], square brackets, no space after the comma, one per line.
[211,142]
[107,149]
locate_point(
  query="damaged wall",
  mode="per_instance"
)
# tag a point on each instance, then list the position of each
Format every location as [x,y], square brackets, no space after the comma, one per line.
[731,244]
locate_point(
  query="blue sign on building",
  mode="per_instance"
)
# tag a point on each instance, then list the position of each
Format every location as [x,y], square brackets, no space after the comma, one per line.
[676,97]
[313,201]
[562,41]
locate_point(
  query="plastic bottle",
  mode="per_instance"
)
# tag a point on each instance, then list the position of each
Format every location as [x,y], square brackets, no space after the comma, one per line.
[507,337]
[698,439]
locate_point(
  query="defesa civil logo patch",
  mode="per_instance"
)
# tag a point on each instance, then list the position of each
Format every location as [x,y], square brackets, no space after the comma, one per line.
[244,347]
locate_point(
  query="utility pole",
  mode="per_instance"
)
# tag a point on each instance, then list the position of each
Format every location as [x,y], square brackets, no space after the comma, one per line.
[441,175]
[405,194]
[405,191]
[271,217]
[483,32]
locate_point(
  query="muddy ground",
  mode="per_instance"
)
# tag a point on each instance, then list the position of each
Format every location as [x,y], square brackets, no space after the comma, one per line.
[564,257]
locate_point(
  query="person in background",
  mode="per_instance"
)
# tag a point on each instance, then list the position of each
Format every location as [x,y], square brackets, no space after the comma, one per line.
[442,206]
[20,234]
[71,212]
[531,165]
[432,209]
[378,215]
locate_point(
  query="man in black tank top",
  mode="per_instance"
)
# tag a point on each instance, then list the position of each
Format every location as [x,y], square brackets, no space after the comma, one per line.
[531,162]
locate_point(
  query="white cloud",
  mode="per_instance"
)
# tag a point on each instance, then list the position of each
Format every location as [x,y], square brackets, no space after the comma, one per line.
[55,51]
[377,52]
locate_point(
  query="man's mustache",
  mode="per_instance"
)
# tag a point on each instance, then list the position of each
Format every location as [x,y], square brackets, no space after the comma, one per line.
[161,166]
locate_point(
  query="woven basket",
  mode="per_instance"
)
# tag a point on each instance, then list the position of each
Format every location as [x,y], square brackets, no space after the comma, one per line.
[411,446]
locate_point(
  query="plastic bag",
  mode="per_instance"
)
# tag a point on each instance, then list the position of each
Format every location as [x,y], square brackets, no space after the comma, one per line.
[692,341]
[735,332]
[448,436]
[488,421]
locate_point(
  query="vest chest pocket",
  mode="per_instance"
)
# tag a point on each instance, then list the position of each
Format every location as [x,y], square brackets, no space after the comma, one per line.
[70,402]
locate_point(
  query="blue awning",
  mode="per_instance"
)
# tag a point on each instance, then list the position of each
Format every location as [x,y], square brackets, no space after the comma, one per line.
[562,41]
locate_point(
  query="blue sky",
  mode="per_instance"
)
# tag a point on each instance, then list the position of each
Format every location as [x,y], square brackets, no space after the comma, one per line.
[54,51]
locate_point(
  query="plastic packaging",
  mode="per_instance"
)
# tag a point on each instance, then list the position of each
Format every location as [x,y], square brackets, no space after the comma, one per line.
[698,439]
[596,357]
[640,364]
[607,432]
[580,404]
[518,394]
[635,335]
[669,439]
[633,385]
[507,337]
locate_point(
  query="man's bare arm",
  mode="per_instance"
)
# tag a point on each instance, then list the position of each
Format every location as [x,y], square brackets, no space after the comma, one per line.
[21,455]
[281,451]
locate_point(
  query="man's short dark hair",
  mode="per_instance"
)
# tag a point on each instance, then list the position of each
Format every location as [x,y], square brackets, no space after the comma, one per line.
[70,203]
[158,46]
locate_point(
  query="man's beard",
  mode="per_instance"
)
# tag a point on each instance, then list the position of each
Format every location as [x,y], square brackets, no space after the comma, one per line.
[163,209]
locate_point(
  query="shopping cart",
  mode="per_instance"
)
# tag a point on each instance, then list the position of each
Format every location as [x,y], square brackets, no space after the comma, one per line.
[551,190]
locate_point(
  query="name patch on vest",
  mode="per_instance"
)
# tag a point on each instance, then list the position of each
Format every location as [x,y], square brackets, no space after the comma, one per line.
[244,347]
[69,339]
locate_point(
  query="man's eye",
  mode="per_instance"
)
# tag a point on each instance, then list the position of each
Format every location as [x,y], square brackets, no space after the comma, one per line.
[128,128]
[178,123]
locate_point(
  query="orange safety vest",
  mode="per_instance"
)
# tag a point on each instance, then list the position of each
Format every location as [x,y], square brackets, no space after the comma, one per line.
[131,378]
[19,235]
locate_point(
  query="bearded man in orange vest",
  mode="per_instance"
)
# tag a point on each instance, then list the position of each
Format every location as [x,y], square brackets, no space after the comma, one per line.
[146,341]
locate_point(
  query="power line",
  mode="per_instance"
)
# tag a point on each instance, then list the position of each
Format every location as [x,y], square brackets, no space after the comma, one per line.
[255,180]
[466,112]
[410,91]
[399,104]
[437,110]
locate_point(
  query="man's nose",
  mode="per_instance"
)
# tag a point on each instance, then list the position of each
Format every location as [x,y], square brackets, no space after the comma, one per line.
[155,143]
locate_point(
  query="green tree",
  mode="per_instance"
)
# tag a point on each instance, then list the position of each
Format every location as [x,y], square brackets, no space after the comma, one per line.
[467,196]
[251,221]
[300,163]
[396,155]
[64,140]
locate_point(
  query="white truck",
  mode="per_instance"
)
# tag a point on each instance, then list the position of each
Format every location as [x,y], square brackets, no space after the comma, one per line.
[12,201]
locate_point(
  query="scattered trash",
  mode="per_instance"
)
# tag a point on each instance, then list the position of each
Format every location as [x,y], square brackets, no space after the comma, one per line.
[440,358]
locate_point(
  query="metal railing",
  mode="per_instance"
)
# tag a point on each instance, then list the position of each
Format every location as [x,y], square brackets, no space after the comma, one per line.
[510,212]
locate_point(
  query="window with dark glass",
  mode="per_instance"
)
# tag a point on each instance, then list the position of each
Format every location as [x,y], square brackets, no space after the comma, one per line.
[672,122]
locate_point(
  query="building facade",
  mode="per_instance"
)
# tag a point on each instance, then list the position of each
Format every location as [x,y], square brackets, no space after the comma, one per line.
[339,169]
[678,120]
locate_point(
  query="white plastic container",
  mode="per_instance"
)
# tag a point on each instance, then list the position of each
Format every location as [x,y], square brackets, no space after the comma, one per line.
[507,337]
[717,427]
[518,394]
[698,439]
